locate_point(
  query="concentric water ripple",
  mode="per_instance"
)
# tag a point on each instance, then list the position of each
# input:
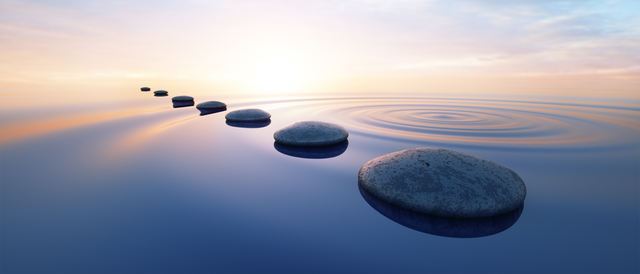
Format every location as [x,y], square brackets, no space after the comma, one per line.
[477,122]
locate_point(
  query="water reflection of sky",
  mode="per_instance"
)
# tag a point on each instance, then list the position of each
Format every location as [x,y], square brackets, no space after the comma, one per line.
[132,184]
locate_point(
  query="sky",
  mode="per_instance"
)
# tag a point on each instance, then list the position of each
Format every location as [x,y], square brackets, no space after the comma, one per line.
[294,45]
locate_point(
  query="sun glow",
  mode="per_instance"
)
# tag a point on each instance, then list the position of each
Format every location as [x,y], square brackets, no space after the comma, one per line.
[276,74]
[277,63]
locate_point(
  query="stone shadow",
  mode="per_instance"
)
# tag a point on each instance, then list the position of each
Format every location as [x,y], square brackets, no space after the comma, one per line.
[254,124]
[321,152]
[182,104]
[204,112]
[443,226]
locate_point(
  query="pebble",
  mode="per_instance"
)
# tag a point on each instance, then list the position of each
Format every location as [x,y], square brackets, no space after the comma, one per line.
[444,183]
[248,115]
[161,92]
[182,98]
[211,105]
[145,89]
[310,134]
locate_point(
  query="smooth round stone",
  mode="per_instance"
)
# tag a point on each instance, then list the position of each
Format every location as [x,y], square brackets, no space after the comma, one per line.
[310,134]
[145,89]
[443,183]
[161,92]
[211,105]
[182,98]
[248,115]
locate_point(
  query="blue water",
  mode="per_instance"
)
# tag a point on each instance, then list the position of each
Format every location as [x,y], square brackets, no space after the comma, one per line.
[163,189]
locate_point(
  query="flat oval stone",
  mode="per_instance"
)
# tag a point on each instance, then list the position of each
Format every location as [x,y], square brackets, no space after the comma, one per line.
[444,183]
[211,105]
[161,92]
[145,89]
[310,134]
[248,115]
[182,98]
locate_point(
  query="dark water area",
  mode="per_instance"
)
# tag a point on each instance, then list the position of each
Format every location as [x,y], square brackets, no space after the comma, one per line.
[133,184]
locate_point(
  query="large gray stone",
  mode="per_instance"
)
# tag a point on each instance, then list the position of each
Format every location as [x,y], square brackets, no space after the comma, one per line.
[211,105]
[443,183]
[182,98]
[310,134]
[248,115]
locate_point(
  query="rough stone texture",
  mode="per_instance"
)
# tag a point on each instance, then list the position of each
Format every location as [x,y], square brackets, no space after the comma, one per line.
[310,134]
[145,89]
[443,183]
[211,105]
[248,115]
[182,98]
[161,92]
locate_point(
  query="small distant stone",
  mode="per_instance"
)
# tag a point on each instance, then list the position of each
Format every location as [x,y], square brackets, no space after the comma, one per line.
[310,134]
[161,92]
[248,115]
[211,105]
[182,98]
[145,89]
[443,183]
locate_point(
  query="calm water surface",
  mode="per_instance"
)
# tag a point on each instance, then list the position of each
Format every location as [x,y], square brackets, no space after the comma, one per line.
[97,182]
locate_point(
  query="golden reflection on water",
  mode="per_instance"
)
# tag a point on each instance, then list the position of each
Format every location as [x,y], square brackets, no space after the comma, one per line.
[18,131]
[132,141]
[496,122]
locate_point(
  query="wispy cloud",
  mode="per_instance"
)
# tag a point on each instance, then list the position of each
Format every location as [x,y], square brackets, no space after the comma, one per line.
[323,38]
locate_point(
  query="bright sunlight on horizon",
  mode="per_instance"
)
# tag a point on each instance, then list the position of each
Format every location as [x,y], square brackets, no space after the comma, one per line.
[271,47]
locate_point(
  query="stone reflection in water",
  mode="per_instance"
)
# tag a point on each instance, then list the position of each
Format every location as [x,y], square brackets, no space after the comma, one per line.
[256,124]
[320,152]
[204,112]
[181,104]
[443,226]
